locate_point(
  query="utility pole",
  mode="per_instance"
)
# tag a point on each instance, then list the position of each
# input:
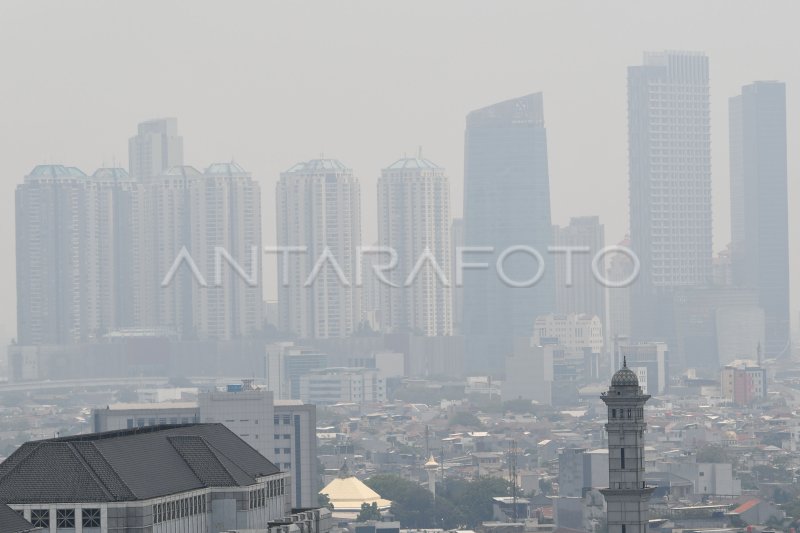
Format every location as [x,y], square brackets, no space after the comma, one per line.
[512,475]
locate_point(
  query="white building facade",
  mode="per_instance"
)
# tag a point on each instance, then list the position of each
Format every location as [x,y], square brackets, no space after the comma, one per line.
[414,221]
[319,213]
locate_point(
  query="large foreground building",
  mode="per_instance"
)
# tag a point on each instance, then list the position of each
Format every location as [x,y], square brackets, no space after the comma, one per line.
[284,431]
[199,478]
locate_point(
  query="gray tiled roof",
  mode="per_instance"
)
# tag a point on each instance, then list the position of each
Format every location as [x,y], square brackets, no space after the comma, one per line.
[128,465]
[12,522]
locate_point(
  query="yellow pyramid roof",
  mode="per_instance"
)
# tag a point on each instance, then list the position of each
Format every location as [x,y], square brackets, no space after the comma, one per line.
[347,494]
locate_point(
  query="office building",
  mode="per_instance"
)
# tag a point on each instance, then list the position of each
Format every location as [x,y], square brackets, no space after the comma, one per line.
[759,205]
[743,382]
[414,221]
[578,291]
[286,362]
[506,205]
[574,331]
[199,478]
[155,148]
[669,148]
[319,211]
[698,312]
[529,373]
[620,270]
[457,290]
[649,361]
[284,431]
[580,470]
[343,385]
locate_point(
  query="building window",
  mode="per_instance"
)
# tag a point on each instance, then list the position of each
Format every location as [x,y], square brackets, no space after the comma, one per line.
[91,518]
[287,451]
[65,518]
[276,420]
[40,518]
[130,423]
[287,419]
[613,413]
[622,458]
[623,528]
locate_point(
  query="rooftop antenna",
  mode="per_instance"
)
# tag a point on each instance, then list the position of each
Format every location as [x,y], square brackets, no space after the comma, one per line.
[758,353]
[624,361]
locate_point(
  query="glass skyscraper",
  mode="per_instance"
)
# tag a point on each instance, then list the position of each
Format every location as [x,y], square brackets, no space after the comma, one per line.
[759,205]
[506,204]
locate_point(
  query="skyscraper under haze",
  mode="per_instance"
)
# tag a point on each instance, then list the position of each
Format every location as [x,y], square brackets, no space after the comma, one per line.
[155,148]
[759,205]
[73,254]
[670,183]
[210,214]
[319,208]
[583,294]
[414,220]
[506,204]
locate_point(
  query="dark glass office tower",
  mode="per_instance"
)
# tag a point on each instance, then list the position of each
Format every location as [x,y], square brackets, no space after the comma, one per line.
[506,204]
[759,206]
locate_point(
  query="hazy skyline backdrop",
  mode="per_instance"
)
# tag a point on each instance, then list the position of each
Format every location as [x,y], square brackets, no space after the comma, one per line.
[273,83]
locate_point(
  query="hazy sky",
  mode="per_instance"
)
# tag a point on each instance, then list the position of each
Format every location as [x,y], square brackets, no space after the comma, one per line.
[272,83]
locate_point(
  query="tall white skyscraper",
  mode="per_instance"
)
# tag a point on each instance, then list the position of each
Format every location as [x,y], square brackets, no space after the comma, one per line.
[670,182]
[414,220]
[72,254]
[216,217]
[318,209]
[155,148]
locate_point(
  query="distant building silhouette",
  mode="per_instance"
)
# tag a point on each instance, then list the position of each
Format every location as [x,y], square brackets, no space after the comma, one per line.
[506,204]
[155,148]
[759,205]
[583,294]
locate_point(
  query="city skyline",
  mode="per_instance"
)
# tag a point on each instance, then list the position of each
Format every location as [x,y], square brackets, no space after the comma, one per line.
[63,134]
